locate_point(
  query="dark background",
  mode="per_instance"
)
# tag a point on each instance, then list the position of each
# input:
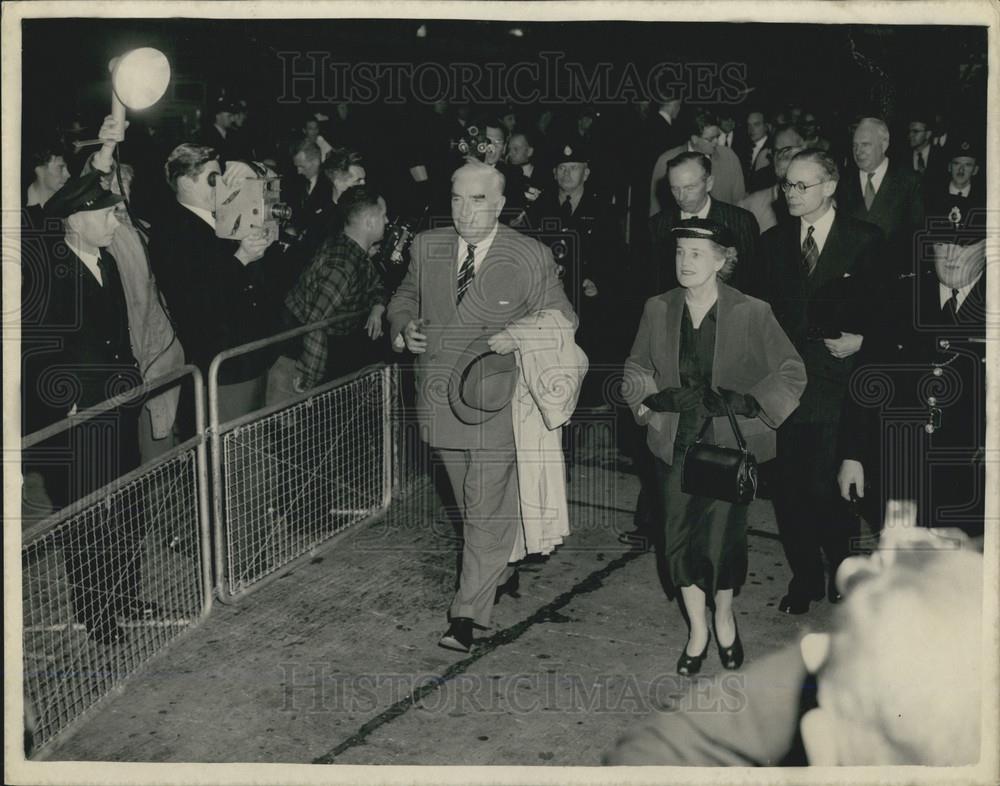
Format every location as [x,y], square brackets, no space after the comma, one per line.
[838,72]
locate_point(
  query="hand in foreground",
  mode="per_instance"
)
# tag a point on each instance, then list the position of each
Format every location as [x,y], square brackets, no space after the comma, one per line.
[674,399]
[415,341]
[852,473]
[502,343]
[845,346]
[112,130]
[236,172]
[374,324]
[252,247]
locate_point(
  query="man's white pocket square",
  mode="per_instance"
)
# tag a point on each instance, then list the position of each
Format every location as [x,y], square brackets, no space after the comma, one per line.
[847,275]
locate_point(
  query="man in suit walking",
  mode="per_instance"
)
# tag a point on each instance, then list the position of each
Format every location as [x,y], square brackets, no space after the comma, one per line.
[691,181]
[884,193]
[466,281]
[821,269]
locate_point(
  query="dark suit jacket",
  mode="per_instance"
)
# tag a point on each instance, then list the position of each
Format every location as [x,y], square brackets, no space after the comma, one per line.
[747,277]
[884,417]
[752,355]
[595,249]
[898,209]
[839,296]
[517,278]
[227,147]
[216,302]
[75,339]
[309,210]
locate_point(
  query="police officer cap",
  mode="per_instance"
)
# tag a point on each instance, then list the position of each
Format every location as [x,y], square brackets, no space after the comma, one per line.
[703,229]
[963,147]
[573,153]
[80,194]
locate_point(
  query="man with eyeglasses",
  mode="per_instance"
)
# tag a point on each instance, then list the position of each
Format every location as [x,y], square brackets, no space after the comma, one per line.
[821,270]
[883,192]
[905,643]
[922,436]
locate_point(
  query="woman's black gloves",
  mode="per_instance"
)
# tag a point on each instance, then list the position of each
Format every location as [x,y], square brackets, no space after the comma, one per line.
[674,399]
[740,403]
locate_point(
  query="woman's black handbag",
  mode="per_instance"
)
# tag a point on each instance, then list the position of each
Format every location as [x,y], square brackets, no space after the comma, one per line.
[714,471]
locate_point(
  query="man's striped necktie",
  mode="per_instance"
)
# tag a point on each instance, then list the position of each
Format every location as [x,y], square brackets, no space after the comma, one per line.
[466,273]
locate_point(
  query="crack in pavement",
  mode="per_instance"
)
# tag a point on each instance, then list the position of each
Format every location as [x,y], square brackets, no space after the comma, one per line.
[483,647]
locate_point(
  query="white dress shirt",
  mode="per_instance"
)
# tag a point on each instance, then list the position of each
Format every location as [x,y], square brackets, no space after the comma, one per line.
[703,213]
[963,292]
[757,147]
[482,249]
[92,261]
[922,153]
[666,116]
[204,215]
[959,191]
[726,139]
[879,175]
[821,229]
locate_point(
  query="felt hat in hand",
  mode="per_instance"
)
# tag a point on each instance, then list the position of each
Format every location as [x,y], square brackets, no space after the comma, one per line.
[483,382]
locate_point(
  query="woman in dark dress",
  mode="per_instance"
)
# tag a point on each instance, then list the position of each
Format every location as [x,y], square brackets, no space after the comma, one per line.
[698,345]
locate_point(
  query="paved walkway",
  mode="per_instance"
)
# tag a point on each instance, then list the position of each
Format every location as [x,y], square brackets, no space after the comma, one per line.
[336,661]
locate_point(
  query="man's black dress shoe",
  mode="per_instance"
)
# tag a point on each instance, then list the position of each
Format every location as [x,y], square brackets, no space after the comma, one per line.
[796,602]
[459,635]
[106,632]
[509,587]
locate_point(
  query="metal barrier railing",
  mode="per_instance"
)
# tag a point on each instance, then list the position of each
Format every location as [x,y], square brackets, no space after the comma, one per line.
[290,476]
[75,561]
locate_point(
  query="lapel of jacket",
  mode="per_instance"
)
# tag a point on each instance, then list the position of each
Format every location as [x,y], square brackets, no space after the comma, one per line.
[832,261]
[675,313]
[723,316]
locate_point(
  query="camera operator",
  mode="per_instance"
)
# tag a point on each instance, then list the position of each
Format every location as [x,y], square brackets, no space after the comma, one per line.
[217,290]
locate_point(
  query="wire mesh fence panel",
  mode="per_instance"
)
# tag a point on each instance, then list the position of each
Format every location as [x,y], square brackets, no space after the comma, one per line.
[411,460]
[107,588]
[294,478]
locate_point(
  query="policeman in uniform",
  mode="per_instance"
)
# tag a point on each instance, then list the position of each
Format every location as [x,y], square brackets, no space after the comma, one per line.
[582,232]
[914,423]
[78,311]
[953,199]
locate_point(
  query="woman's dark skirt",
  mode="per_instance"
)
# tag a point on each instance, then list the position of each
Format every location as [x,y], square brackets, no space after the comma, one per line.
[703,541]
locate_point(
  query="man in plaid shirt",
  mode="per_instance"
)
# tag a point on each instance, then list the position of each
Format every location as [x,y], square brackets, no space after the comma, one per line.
[341,281]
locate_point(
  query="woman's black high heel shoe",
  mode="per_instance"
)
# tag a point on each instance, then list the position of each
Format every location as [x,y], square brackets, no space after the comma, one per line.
[689,665]
[731,656]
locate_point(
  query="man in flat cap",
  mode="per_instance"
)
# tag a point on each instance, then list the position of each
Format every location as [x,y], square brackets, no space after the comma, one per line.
[81,311]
